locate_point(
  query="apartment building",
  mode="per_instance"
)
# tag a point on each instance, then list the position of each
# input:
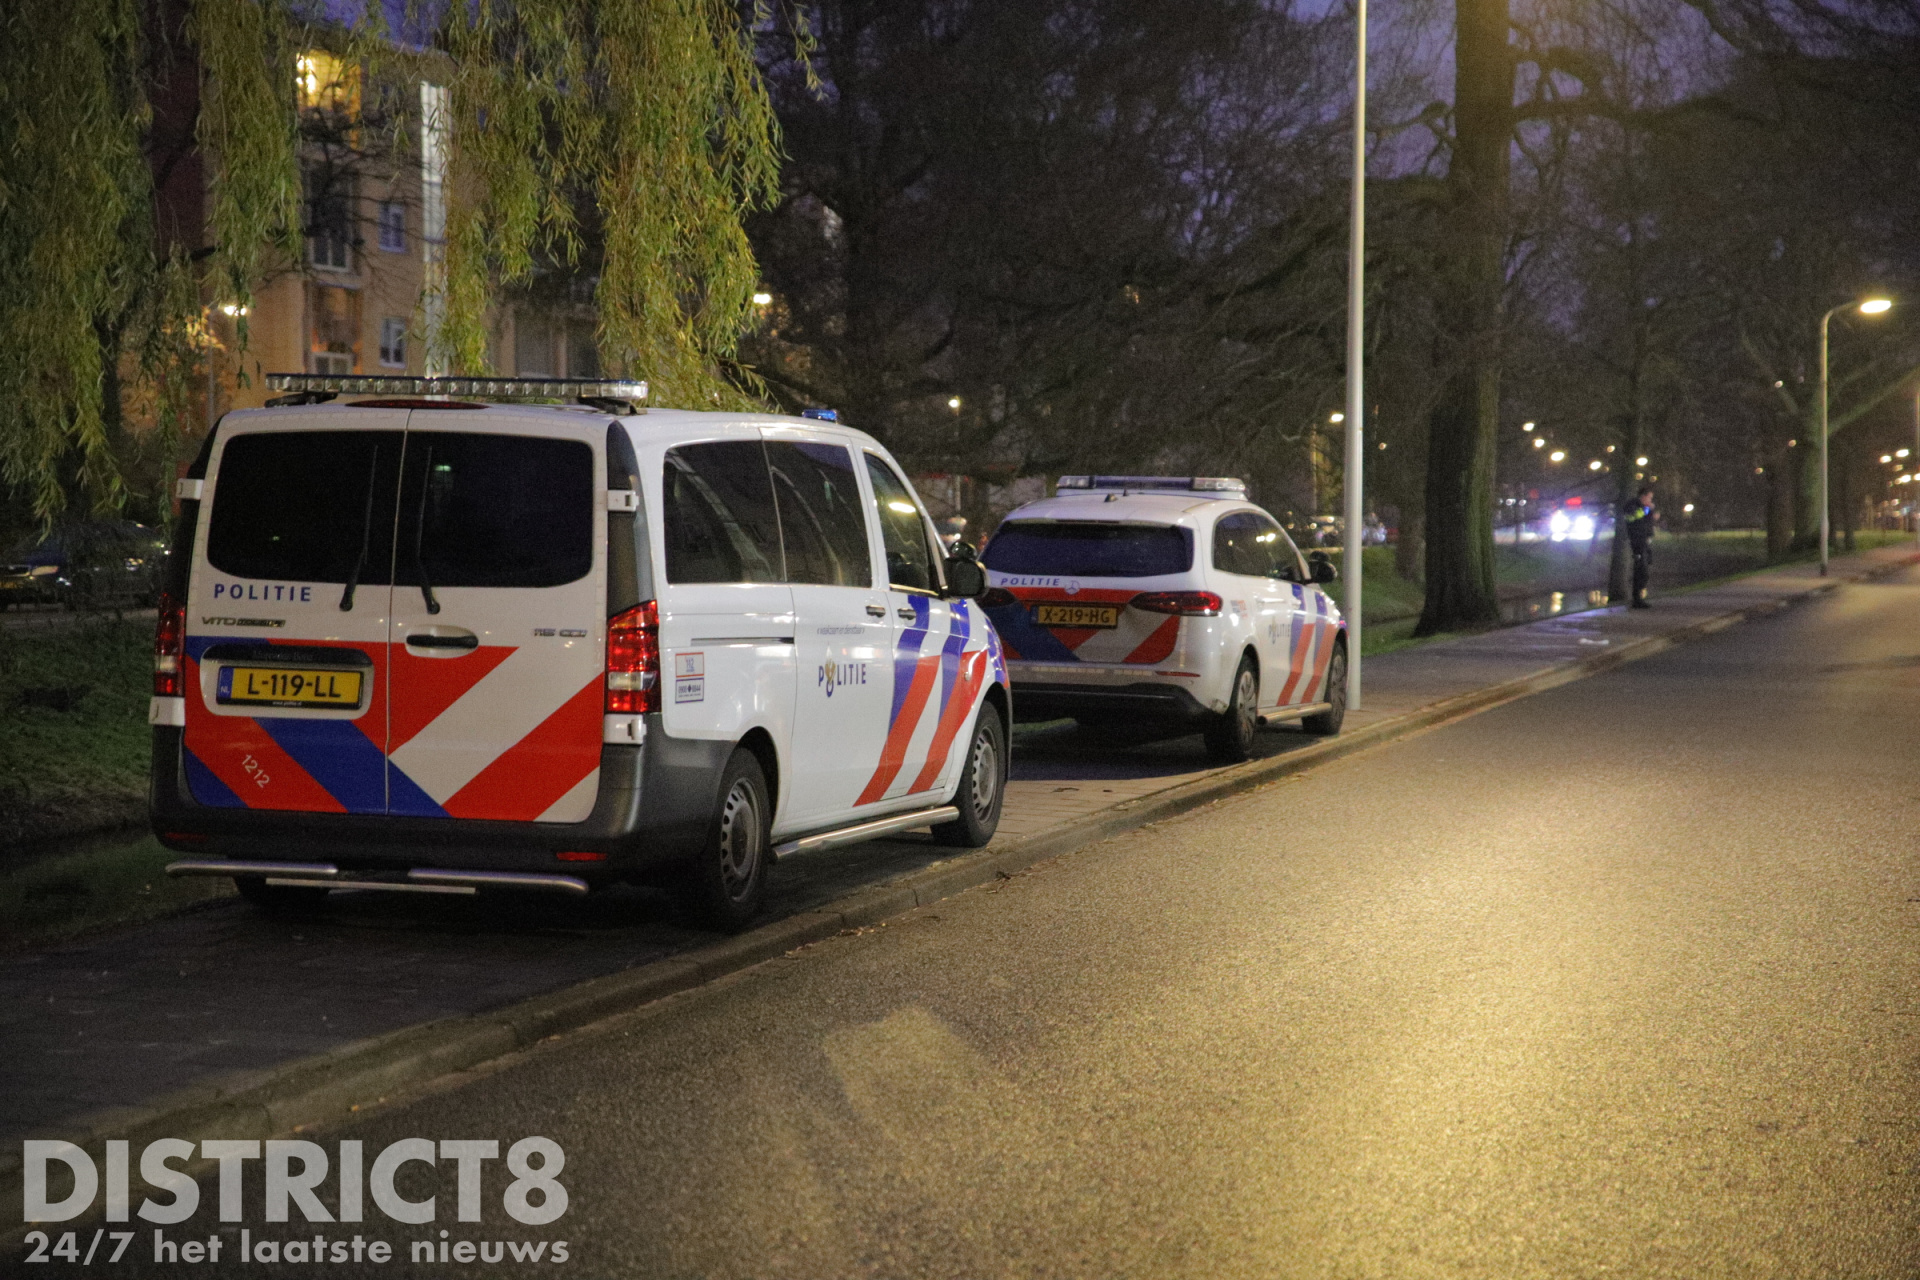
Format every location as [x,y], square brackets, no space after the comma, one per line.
[364,296]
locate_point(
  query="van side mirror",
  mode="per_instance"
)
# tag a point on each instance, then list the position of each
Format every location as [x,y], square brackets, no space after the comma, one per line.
[1320,569]
[965,578]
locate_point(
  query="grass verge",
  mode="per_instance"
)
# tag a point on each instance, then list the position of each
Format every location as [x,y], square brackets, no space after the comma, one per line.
[74,742]
[55,897]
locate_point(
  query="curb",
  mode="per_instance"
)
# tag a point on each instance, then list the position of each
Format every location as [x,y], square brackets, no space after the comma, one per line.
[311,1091]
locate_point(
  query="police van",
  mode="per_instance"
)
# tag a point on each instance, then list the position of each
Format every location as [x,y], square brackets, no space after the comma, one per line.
[1168,599]
[434,640]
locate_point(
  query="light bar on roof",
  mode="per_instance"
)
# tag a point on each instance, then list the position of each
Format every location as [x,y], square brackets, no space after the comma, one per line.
[1153,484]
[480,388]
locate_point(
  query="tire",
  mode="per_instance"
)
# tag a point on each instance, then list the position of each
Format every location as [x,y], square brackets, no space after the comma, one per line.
[726,884]
[1230,734]
[983,786]
[280,900]
[1327,723]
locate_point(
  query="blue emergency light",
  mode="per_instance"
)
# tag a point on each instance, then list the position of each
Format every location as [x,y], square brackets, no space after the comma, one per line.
[821,415]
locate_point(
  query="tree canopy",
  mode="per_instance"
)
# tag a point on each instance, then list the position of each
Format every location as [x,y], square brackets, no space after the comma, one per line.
[649,115]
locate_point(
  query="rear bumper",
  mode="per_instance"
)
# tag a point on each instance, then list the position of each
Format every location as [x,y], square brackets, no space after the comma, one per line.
[1142,701]
[655,803]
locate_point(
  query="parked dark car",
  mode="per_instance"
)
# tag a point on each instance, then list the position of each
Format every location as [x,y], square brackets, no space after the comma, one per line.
[85,564]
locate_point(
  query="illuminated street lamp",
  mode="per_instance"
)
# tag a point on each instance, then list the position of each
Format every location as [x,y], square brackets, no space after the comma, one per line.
[1558,455]
[1866,307]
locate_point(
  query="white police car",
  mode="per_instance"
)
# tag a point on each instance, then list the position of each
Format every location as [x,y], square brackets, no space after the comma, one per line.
[429,641]
[1129,598]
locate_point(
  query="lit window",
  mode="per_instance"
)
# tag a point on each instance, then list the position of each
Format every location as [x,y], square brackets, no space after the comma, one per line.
[325,83]
[393,226]
[393,342]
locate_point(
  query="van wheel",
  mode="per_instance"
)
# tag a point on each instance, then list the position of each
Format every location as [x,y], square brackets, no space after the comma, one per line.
[727,881]
[1327,723]
[1230,734]
[983,786]
[280,899]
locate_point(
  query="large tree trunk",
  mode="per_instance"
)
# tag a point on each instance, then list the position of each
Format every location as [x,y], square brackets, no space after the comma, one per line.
[1804,459]
[1465,419]
[1846,504]
[1782,481]
[1409,547]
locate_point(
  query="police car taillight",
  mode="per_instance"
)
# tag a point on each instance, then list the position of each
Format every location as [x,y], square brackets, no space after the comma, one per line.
[633,661]
[1191,604]
[168,679]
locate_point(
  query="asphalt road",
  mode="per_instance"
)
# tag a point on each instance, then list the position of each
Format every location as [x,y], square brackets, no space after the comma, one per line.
[1616,980]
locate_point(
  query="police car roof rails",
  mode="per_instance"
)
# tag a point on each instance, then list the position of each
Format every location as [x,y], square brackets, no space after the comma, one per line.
[613,395]
[1205,486]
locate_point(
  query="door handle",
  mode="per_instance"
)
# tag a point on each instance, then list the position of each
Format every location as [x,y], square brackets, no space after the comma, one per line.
[905,614]
[876,611]
[426,640]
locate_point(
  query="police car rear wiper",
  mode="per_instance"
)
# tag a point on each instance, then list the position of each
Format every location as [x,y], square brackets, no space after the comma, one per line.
[366,536]
[419,529]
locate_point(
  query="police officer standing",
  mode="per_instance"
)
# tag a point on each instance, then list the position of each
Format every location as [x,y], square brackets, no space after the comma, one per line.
[1637,518]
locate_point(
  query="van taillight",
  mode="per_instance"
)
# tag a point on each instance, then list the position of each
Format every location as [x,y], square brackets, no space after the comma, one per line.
[633,661]
[168,679]
[1192,604]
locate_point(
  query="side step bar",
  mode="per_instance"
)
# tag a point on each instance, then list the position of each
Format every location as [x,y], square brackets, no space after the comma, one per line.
[324,875]
[1295,713]
[866,831]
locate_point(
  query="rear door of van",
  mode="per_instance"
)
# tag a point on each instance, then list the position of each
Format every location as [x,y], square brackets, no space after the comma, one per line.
[499,618]
[287,611]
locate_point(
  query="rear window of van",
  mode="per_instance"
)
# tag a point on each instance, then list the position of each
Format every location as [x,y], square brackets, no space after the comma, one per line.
[1088,549]
[472,509]
[300,506]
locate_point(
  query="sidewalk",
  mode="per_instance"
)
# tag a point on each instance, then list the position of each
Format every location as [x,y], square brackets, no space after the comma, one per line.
[221,1023]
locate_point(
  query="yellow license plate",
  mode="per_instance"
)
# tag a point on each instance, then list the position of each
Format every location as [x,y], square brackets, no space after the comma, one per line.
[289,687]
[1077,615]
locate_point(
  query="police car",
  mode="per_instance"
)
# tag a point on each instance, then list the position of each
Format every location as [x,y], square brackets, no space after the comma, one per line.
[1170,599]
[435,641]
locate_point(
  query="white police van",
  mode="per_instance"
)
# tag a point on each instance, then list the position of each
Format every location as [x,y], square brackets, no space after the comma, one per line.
[1124,599]
[430,640]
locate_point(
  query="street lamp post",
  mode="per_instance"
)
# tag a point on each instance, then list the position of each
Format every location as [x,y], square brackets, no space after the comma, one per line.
[1866,307]
[1356,399]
